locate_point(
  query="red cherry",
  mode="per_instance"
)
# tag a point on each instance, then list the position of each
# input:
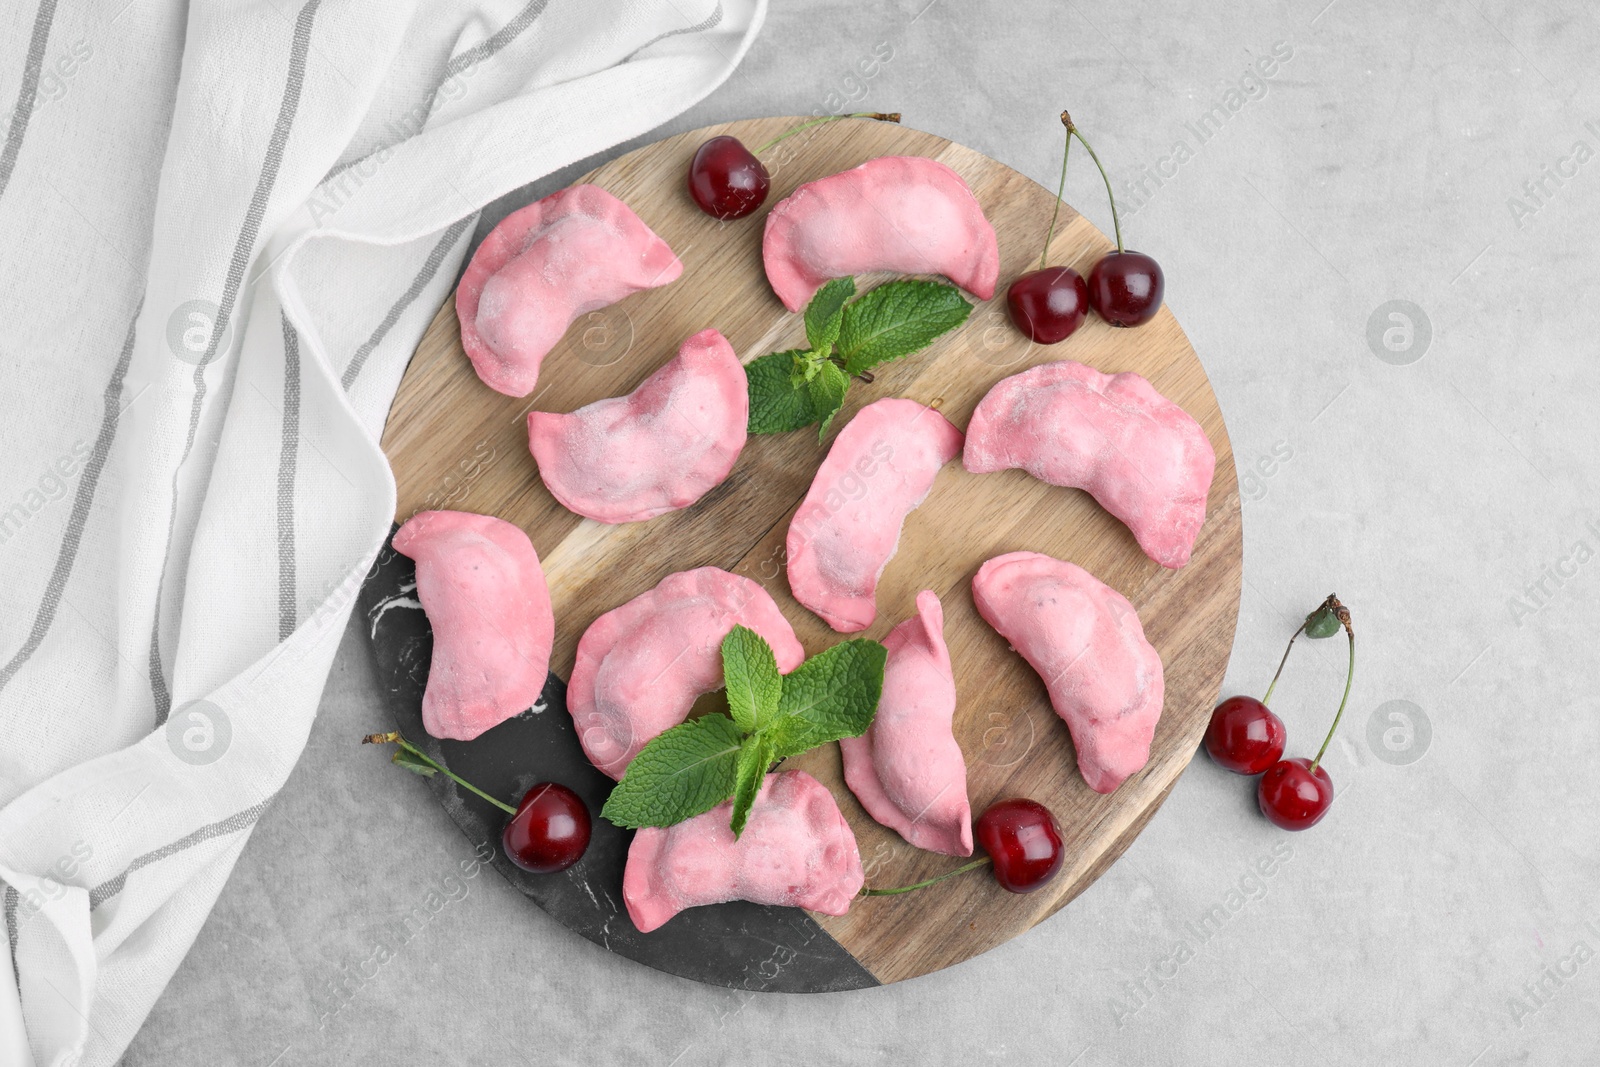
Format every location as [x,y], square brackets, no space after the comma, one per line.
[1293,796]
[1048,305]
[727,180]
[550,830]
[1023,840]
[1245,736]
[1126,288]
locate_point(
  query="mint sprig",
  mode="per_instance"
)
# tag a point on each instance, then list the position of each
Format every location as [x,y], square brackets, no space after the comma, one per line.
[698,764]
[848,337]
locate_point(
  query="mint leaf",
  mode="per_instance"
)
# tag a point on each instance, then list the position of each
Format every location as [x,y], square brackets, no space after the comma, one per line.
[777,403]
[825,314]
[896,319]
[413,763]
[791,735]
[833,694]
[754,759]
[681,773]
[750,671]
[827,394]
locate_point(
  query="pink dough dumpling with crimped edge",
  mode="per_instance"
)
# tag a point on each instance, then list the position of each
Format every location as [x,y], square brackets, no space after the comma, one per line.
[1145,459]
[641,666]
[1085,640]
[545,266]
[907,214]
[796,851]
[480,583]
[907,769]
[880,467]
[660,448]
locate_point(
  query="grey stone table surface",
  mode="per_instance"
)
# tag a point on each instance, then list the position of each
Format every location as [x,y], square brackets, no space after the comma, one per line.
[1384,252]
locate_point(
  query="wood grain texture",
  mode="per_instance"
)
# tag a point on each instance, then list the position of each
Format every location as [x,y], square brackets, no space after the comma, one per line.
[455,443]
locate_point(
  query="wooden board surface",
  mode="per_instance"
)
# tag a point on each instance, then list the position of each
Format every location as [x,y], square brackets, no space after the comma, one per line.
[454,443]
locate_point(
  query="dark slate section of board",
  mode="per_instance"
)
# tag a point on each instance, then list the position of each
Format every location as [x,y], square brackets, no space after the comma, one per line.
[740,945]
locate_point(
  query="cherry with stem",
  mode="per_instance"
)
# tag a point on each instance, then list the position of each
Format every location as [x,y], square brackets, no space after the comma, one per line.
[1295,794]
[1245,736]
[1050,303]
[1125,288]
[548,831]
[1023,843]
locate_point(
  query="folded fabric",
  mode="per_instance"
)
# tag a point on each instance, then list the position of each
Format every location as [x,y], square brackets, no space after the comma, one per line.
[223,241]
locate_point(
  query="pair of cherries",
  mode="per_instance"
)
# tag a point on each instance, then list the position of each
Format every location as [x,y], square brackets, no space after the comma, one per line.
[1247,737]
[1124,288]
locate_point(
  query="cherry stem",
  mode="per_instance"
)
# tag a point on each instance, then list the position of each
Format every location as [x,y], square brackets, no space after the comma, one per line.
[395,738]
[1350,676]
[881,116]
[1073,131]
[1061,188]
[974,865]
[1281,662]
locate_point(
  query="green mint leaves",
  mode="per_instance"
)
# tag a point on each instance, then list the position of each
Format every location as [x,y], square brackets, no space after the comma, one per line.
[750,671]
[827,393]
[698,764]
[825,314]
[777,404]
[829,696]
[799,387]
[754,759]
[687,770]
[897,319]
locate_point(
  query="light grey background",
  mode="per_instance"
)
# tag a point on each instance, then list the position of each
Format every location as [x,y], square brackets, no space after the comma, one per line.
[1381,164]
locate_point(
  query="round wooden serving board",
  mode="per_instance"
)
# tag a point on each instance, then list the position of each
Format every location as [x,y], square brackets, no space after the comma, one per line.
[455,443]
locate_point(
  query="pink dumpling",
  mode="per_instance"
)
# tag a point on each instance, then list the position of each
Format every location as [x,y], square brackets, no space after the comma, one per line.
[1085,640]
[907,769]
[1145,459]
[575,251]
[881,466]
[480,582]
[907,214]
[660,448]
[796,851]
[641,666]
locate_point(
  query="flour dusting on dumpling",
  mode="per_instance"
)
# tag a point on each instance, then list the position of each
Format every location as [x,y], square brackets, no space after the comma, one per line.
[660,448]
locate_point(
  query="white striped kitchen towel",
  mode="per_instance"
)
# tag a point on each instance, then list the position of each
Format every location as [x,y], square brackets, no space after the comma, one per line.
[224,228]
